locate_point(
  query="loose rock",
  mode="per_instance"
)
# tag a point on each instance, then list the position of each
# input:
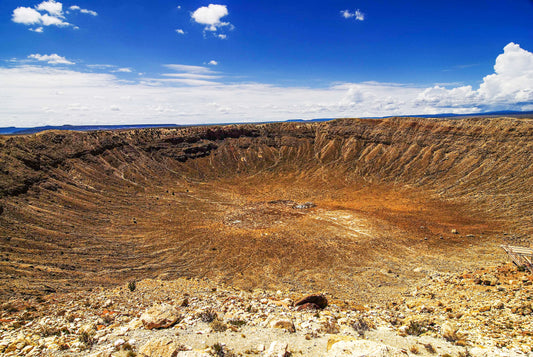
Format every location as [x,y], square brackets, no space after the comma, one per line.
[160,316]
[277,349]
[160,347]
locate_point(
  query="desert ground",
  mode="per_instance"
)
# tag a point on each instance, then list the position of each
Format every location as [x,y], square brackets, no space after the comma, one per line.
[376,214]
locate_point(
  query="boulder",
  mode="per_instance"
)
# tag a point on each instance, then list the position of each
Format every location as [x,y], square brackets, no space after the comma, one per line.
[160,316]
[320,300]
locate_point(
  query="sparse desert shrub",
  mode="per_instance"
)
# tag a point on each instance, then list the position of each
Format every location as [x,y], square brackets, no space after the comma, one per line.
[108,318]
[361,326]
[251,310]
[132,285]
[86,338]
[208,315]
[465,353]
[219,350]
[126,350]
[48,330]
[429,347]
[330,326]
[414,349]
[416,328]
[63,346]
[70,317]
[237,322]
[218,325]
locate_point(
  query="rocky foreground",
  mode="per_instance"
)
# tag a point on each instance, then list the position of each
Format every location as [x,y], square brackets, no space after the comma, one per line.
[487,312]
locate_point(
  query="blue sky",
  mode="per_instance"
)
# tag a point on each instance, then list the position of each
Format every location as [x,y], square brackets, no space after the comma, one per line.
[140,61]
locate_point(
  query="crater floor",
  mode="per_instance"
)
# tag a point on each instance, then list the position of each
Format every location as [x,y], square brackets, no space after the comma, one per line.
[358,209]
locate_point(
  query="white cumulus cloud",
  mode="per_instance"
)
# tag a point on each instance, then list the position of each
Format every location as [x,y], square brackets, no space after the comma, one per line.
[26,16]
[51,59]
[180,31]
[48,20]
[52,7]
[509,85]
[29,16]
[212,63]
[513,77]
[211,16]
[83,11]
[357,14]
[46,13]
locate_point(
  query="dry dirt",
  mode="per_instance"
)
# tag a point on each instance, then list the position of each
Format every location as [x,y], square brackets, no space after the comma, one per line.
[80,210]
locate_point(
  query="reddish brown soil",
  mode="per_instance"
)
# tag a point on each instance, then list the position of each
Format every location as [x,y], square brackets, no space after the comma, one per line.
[86,209]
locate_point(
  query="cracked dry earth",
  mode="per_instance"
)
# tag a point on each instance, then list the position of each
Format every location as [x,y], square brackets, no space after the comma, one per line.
[393,219]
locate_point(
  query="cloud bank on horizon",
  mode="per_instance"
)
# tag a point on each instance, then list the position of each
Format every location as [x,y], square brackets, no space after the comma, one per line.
[45,95]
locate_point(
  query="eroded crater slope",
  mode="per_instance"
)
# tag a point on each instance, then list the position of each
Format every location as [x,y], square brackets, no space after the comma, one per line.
[354,207]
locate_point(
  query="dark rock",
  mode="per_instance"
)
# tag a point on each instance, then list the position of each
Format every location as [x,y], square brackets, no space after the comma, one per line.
[308,306]
[320,300]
